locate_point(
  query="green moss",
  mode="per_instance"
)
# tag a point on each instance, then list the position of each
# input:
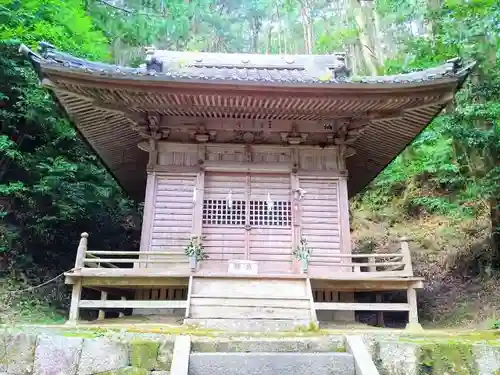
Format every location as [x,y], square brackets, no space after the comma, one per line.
[85,334]
[447,358]
[165,355]
[340,348]
[144,354]
[490,338]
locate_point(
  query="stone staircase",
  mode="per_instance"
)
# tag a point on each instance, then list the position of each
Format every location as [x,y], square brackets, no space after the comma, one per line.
[249,304]
[271,356]
[271,364]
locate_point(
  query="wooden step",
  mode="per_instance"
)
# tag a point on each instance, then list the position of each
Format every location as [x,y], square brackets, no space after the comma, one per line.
[248,325]
[291,303]
[249,287]
[249,299]
[248,312]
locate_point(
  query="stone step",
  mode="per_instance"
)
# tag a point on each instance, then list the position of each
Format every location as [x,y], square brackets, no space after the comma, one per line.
[320,344]
[271,364]
[248,325]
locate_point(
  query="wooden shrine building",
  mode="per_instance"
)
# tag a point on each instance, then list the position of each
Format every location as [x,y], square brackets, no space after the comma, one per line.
[245,164]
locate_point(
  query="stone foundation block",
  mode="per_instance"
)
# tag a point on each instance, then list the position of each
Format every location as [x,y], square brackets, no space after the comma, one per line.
[102,355]
[398,358]
[57,355]
[17,353]
[144,354]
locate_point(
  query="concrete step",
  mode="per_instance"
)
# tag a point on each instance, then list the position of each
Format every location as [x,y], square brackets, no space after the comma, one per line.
[271,364]
[248,325]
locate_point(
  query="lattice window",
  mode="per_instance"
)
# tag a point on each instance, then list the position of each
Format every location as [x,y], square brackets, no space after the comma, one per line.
[280,215]
[218,212]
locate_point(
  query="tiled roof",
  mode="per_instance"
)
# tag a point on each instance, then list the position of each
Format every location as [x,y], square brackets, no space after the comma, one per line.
[107,114]
[270,69]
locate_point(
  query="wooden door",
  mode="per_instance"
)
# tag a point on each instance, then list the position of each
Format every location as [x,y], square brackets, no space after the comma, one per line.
[247,216]
[223,221]
[269,222]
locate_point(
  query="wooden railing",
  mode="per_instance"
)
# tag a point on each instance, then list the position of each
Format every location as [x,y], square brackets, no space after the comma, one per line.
[121,259]
[375,264]
[398,263]
[379,264]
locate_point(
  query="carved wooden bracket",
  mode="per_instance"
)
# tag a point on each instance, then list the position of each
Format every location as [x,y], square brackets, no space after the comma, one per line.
[151,127]
[294,138]
[248,137]
[201,135]
[153,120]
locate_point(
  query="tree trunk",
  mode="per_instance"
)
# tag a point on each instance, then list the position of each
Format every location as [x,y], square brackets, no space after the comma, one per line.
[305,12]
[269,39]
[256,25]
[433,7]
[489,159]
[378,38]
[361,13]
[279,27]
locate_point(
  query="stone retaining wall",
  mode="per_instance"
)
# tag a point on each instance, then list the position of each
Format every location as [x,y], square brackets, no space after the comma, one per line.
[25,354]
[417,356]
[123,353]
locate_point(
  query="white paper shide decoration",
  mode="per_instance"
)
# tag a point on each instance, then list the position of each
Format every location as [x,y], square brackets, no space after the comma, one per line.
[269,202]
[230,199]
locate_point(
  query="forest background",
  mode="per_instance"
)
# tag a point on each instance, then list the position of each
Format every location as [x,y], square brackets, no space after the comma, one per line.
[443,190]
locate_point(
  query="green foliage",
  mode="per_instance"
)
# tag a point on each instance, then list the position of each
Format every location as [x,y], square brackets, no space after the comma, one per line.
[196,249]
[452,167]
[26,307]
[60,22]
[447,358]
[55,186]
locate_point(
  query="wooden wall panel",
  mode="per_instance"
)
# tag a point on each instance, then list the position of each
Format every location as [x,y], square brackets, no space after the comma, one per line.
[177,154]
[320,223]
[172,217]
[315,159]
[277,158]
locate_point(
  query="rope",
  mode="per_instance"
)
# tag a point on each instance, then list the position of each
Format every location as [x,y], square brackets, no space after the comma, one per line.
[40,285]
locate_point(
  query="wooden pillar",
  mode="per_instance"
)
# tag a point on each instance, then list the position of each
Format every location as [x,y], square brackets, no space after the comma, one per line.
[102,313]
[82,249]
[405,251]
[74,309]
[77,286]
[413,310]
[309,291]
[147,216]
[122,314]
[199,189]
[345,232]
[380,314]
[296,219]
[378,296]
